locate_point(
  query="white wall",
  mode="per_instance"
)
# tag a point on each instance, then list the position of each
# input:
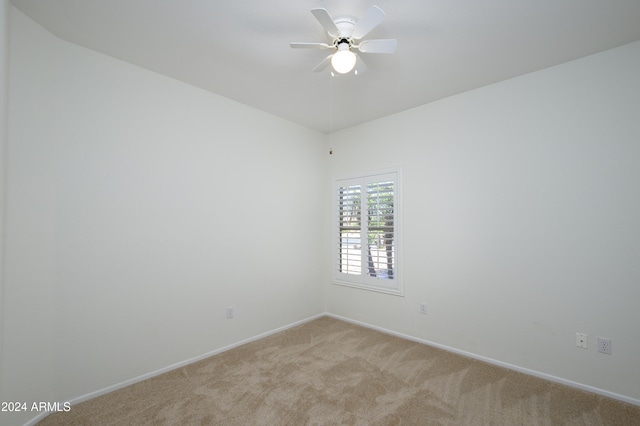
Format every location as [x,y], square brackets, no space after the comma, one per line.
[138,209]
[4,120]
[521,219]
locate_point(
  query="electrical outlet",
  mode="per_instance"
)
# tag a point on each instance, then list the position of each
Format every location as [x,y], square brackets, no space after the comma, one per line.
[581,340]
[423,308]
[604,345]
[230,311]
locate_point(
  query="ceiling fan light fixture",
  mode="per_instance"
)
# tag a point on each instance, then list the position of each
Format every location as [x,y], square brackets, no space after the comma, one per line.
[344,59]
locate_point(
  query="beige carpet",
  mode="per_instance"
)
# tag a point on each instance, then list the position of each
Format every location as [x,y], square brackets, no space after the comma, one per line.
[328,372]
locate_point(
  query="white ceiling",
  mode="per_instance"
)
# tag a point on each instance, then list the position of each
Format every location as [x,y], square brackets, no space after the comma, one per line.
[240,48]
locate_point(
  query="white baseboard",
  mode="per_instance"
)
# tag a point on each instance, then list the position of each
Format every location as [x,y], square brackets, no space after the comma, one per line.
[495,362]
[175,366]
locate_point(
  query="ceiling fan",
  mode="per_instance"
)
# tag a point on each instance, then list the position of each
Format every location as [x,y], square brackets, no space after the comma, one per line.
[345,34]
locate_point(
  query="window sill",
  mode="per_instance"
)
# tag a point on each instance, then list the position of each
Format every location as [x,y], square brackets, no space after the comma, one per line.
[386,290]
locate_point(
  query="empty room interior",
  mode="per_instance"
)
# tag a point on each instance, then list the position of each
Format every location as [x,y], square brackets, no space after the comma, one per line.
[177,181]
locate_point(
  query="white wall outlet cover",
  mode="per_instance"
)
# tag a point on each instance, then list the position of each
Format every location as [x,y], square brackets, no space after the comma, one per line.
[604,345]
[581,340]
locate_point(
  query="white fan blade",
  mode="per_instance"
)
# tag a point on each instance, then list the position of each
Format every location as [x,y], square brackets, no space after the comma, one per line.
[371,19]
[324,64]
[297,45]
[326,21]
[378,46]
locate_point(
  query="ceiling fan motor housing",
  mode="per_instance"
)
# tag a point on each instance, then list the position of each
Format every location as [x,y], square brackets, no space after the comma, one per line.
[345,27]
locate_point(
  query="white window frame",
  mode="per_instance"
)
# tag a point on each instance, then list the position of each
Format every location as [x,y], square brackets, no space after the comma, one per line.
[363,280]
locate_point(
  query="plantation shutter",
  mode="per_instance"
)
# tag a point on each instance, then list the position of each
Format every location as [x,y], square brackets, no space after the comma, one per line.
[350,241]
[380,230]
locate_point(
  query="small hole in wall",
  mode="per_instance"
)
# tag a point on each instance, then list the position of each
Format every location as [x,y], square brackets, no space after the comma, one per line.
[330,151]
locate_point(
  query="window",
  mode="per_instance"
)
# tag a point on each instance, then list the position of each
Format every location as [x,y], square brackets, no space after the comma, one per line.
[367,231]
